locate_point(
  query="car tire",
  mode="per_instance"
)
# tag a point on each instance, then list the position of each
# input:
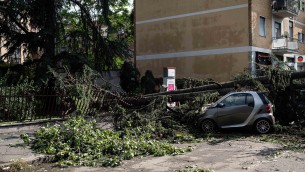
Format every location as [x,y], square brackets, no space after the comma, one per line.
[262,126]
[208,126]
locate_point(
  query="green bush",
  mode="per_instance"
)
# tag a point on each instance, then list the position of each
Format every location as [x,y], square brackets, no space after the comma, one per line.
[129,78]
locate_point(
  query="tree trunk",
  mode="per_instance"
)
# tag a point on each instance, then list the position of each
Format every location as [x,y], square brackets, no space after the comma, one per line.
[50,29]
[230,84]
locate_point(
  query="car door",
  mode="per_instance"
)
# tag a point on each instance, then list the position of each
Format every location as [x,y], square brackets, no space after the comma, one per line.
[236,109]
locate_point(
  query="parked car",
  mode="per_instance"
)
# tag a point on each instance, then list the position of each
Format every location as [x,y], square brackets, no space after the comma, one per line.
[239,109]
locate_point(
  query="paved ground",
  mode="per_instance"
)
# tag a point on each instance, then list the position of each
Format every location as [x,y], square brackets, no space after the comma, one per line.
[221,156]
[238,155]
[11,145]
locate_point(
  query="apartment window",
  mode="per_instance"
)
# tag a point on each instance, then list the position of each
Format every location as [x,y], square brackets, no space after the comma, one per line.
[278,28]
[262,26]
[301,6]
[290,29]
[0,46]
[16,57]
[290,60]
[300,37]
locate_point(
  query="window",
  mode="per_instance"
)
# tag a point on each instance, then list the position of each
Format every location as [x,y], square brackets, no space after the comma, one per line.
[250,100]
[264,98]
[16,56]
[277,28]
[290,29]
[262,26]
[300,37]
[235,100]
[290,60]
[263,58]
[0,41]
[301,6]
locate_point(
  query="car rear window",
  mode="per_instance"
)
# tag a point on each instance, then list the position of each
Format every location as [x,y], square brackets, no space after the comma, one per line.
[264,98]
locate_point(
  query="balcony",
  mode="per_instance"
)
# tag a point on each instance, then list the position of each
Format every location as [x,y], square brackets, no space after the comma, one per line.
[285,8]
[284,45]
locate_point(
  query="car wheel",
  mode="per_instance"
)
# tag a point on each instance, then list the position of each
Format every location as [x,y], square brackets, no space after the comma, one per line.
[262,126]
[208,126]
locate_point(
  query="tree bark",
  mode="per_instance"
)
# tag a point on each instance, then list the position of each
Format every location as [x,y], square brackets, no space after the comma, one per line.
[230,84]
[50,29]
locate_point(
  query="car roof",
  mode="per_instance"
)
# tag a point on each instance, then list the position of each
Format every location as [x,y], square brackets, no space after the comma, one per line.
[251,92]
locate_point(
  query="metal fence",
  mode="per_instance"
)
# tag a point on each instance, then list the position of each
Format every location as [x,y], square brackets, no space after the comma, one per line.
[21,104]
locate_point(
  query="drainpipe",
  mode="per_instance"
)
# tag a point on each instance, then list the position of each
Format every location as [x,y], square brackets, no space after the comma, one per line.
[134,33]
[252,54]
[250,22]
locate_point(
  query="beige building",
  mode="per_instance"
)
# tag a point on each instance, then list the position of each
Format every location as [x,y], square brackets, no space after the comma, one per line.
[17,58]
[21,54]
[218,38]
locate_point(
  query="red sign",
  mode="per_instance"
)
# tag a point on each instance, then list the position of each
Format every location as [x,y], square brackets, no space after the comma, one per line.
[171,87]
[300,59]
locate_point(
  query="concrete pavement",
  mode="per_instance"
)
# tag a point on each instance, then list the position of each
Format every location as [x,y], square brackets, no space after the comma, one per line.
[12,147]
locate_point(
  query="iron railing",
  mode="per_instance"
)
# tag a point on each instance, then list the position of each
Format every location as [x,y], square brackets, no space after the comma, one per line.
[285,43]
[291,6]
[19,104]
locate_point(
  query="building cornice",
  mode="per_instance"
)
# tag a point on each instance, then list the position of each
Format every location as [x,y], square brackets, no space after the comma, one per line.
[204,53]
[193,14]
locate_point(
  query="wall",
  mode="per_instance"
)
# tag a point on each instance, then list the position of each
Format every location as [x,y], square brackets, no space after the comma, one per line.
[299,23]
[221,67]
[172,32]
[261,8]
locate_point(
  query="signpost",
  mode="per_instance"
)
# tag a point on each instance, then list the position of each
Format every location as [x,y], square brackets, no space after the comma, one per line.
[169,81]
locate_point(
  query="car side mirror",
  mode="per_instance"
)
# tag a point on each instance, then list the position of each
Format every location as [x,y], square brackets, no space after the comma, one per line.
[220,105]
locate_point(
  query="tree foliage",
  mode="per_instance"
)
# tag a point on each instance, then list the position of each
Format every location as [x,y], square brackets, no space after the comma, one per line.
[28,23]
[78,142]
[129,78]
[99,30]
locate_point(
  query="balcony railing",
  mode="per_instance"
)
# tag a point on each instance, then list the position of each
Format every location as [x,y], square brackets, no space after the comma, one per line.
[285,8]
[285,45]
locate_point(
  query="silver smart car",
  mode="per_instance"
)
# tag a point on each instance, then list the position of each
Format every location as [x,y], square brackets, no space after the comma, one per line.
[239,109]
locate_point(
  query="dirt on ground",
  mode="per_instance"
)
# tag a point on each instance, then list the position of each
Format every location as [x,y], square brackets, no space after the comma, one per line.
[219,155]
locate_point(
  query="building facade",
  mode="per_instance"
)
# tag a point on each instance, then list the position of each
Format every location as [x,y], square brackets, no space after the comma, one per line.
[218,38]
[21,53]
[17,57]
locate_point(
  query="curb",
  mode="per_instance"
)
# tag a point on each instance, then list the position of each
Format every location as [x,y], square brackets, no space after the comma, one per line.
[39,159]
[25,126]
[30,123]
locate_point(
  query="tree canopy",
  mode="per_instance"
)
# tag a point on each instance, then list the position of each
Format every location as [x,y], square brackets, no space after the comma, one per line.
[99,30]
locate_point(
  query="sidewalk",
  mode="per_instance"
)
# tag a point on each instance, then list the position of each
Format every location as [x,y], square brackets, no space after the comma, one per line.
[11,146]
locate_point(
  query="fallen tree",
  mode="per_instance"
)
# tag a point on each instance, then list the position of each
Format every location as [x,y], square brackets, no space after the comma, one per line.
[230,84]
